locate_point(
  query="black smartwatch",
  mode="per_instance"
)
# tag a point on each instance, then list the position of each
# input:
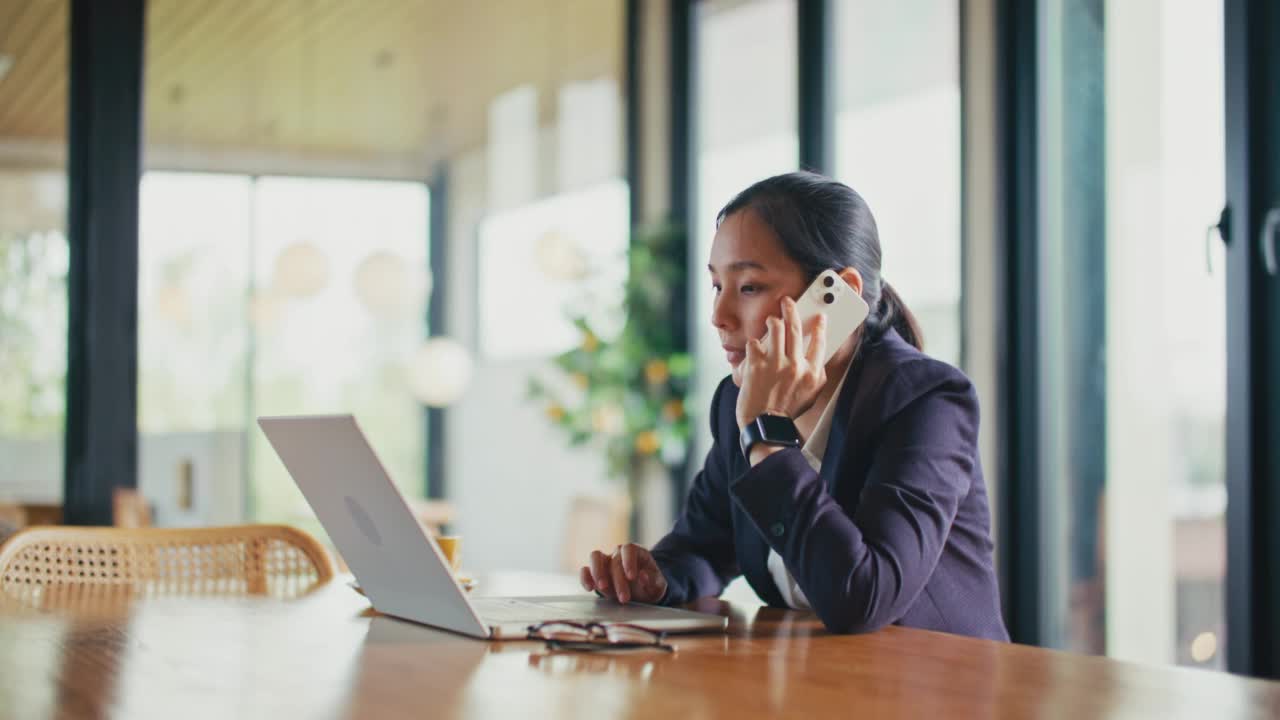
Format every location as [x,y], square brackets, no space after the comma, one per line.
[771,430]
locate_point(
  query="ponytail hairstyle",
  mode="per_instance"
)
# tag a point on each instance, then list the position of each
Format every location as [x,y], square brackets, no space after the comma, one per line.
[823,225]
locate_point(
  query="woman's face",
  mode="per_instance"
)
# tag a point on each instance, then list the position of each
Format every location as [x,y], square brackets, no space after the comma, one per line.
[750,274]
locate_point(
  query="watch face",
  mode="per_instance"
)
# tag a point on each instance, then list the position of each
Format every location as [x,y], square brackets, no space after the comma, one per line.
[778,429]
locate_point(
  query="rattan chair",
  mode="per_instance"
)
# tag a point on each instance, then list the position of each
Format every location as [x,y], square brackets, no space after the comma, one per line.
[57,567]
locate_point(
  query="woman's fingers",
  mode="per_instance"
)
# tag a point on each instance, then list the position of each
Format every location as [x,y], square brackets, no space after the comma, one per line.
[653,582]
[630,573]
[646,586]
[817,348]
[777,337]
[629,553]
[600,571]
[620,584]
[795,337]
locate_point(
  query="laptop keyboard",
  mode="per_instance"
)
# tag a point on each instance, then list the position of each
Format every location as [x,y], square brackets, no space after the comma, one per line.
[506,610]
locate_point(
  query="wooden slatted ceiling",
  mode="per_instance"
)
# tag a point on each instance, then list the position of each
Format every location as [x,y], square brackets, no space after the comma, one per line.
[34,31]
[353,77]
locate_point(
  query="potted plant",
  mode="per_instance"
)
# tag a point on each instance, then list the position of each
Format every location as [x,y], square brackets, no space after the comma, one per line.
[627,393]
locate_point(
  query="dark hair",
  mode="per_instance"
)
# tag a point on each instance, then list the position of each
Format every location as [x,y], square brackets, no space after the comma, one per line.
[823,224]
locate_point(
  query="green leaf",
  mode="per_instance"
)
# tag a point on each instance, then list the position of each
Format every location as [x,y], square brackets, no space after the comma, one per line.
[680,364]
[615,370]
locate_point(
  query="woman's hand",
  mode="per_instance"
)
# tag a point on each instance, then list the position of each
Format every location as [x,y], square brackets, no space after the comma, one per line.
[630,573]
[778,376]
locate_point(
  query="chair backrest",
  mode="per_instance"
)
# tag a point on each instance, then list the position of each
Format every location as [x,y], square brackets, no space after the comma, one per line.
[58,566]
[594,523]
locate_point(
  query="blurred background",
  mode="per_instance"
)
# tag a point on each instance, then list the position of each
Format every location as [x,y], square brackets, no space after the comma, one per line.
[479,228]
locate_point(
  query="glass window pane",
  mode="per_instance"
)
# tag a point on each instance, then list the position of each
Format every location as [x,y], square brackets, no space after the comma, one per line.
[332,115]
[33,252]
[273,280]
[1133,346]
[339,271]
[897,134]
[193,342]
[537,90]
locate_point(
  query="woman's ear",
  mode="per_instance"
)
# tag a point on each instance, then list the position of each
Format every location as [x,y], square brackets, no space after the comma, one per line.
[853,278]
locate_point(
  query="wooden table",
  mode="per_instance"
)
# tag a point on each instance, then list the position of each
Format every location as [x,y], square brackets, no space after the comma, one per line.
[328,655]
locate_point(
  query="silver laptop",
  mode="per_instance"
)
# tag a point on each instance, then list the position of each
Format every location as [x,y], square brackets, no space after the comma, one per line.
[399,568]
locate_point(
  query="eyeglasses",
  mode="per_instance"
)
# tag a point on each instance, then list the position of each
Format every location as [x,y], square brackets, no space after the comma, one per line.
[594,636]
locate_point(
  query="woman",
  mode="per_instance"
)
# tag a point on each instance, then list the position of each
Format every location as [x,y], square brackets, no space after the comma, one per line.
[881,515]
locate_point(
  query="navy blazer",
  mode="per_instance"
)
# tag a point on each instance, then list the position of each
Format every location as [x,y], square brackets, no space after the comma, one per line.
[895,529]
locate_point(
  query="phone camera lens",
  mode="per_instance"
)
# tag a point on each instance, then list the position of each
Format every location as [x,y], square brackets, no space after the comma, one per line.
[828,298]
[828,281]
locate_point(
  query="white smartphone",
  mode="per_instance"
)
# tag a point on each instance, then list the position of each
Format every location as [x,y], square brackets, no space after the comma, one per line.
[845,309]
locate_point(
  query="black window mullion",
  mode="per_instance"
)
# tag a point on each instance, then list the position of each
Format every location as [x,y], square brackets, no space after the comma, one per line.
[1253,339]
[682,48]
[633,40]
[104,170]
[437,324]
[815,104]
[1022,519]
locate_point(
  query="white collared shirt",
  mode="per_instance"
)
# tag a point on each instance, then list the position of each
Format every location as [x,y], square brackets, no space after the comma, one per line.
[813,450]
